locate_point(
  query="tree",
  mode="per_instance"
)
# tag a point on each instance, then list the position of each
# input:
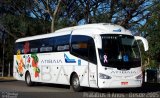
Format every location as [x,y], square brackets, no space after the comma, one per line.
[151,30]
[49,7]
[129,14]
[15,24]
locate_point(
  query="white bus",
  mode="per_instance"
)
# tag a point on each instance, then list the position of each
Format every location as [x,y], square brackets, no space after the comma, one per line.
[93,55]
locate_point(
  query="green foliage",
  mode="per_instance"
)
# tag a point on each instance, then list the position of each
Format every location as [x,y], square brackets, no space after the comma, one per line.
[24,26]
[20,26]
[153,64]
[152,30]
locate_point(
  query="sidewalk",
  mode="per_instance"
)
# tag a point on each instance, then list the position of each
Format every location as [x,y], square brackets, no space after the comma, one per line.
[5,79]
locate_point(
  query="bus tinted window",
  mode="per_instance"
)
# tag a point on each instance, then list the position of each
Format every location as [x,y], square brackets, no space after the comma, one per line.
[81,45]
[92,52]
[34,46]
[33,50]
[19,48]
[46,45]
[119,51]
[62,43]
[53,44]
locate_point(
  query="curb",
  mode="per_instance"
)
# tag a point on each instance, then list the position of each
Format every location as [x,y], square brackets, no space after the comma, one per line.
[7,79]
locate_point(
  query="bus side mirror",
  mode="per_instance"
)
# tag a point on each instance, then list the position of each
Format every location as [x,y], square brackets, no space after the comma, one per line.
[98,41]
[145,42]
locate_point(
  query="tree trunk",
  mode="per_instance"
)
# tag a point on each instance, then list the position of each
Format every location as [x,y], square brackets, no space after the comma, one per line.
[52,25]
[54,16]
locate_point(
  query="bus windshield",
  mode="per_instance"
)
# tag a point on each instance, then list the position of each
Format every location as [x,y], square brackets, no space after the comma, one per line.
[119,51]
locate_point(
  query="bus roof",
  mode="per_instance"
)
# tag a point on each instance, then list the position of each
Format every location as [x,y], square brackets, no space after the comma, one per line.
[106,27]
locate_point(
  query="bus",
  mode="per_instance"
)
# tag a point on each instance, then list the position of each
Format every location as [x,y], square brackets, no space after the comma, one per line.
[99,55]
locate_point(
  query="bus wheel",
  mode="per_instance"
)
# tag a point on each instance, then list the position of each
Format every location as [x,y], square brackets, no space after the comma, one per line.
[75,83]
[28,79]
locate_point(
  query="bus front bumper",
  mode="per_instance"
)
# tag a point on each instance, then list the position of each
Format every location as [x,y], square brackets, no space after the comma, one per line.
[120,83]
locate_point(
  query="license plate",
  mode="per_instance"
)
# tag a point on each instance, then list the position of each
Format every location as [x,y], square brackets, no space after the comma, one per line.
[124,83]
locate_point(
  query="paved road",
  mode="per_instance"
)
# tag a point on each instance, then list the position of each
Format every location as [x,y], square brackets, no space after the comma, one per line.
[18,89]
[20,86]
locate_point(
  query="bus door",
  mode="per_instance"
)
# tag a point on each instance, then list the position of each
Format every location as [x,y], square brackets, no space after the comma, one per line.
[92,63]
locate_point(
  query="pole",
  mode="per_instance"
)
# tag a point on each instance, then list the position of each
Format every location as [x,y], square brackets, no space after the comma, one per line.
[9,69]
[3,57]
[145,76]
[158,76]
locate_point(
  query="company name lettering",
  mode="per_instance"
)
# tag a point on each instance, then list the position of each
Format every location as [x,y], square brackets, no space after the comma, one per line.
[123,72]
[51,61]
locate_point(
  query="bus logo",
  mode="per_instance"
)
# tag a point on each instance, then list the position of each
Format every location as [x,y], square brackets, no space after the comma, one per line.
[68,60]
[118,30]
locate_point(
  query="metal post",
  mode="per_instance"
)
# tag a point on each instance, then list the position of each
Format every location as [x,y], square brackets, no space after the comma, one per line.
[9,69]
[145,76]
[3,57]
[158,74]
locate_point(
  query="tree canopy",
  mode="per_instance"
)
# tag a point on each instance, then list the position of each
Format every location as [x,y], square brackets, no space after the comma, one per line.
[151,30]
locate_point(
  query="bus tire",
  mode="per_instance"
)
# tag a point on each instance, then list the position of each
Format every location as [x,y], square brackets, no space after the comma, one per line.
[28,79]
[75,83]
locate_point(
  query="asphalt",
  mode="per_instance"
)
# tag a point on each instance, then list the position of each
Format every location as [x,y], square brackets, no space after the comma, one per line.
[18,89]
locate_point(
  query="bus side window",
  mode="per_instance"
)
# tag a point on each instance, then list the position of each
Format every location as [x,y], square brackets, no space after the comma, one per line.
[92,52]
[79,46]
[62,43]
[34,46]
[47,45]
[84,47]
[18,48]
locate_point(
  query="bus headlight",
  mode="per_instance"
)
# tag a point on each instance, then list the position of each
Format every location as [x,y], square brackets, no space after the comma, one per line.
[103,76]
[139,76]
